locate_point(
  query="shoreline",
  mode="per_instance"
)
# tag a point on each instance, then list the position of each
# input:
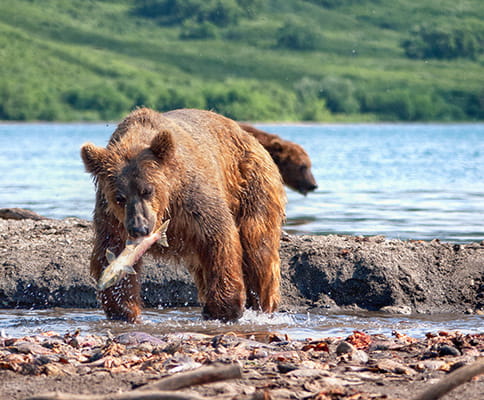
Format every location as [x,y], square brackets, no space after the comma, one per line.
[45,264]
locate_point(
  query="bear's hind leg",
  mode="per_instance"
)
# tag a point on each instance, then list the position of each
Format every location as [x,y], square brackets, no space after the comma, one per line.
[217,271]
[259,216]
[261,264]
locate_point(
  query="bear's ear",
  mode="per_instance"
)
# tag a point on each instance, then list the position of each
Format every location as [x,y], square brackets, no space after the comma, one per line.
[162,145]
[276,145]
[94,158]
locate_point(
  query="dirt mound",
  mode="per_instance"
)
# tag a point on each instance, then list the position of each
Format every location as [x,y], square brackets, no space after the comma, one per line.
[44,263]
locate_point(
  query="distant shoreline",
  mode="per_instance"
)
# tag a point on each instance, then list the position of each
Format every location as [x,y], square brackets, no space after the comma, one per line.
[260,123]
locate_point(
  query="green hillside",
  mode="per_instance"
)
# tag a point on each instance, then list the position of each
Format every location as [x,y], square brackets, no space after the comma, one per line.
[275,60]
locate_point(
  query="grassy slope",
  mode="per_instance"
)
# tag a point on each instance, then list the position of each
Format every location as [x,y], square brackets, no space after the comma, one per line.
[52,49]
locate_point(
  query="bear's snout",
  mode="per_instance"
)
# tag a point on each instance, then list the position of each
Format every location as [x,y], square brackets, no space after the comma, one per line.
[138,228]
[306,187]
[137,221]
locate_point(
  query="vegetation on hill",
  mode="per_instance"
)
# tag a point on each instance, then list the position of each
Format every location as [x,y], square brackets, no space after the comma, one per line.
[273,60]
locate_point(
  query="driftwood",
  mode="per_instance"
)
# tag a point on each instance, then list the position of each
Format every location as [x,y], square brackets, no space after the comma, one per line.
[454,379]
[132,395]
[164,389]
[196,377]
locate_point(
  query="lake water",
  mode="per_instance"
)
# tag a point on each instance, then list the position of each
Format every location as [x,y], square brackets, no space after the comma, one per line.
[406,181]
[402,181]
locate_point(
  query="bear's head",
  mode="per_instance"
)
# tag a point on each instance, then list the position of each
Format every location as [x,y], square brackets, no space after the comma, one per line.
[132,180]
[294,165]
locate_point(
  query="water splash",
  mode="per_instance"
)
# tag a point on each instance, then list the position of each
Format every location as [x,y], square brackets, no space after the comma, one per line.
[265,320]
[15,323]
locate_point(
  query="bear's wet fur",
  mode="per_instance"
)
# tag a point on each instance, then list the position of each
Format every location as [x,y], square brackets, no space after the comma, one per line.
[292,160]
[222,193]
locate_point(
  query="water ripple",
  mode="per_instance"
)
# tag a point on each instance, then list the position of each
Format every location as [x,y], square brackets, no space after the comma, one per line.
[407,181]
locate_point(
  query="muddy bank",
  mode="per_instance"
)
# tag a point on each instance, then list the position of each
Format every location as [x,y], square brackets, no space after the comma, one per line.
[44,263]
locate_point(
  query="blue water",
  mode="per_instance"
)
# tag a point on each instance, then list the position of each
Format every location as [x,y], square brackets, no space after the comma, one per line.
[406,181]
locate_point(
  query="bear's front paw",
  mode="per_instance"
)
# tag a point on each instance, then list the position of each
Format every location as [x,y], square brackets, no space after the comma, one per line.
[224,311]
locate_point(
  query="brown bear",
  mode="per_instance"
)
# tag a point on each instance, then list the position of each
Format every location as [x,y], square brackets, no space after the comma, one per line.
[222,193]
[292,160]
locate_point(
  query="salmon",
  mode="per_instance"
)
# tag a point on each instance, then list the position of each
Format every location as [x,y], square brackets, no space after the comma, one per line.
[123,264]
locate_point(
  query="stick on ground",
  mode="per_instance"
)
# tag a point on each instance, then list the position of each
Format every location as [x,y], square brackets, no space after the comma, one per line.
[451,381]
[160,390]
[131,395]
[197,377]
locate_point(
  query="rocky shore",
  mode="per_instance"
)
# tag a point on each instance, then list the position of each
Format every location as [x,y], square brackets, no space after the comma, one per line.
[44,263]
[258,366]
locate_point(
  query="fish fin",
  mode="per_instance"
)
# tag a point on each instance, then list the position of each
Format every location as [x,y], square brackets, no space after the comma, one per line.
[110,256]
[163,238]
[129,270]
[164,225]
[102,285]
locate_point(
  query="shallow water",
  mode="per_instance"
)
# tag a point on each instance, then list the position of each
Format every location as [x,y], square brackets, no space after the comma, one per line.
[15,323]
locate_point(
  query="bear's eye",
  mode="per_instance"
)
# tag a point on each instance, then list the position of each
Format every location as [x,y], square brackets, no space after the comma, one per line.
[147,192]
[120,199]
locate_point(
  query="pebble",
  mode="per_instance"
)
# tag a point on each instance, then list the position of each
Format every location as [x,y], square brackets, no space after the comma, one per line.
[146,347]
[304,373]
[350,353]
[388,365]
[282,393]
[359,356]
[457,365]
[345,348]
[403,310]
[31,348]
[258,354]
[446,350]
[431,365]
[284,368]
[136,338]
